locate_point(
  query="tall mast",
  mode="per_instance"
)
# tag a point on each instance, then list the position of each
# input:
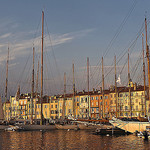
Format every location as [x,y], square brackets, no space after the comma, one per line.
[64,96]
[103,107]
[37,83]
[129,82]
[144,74]
[6,81]
[147,55]
[88,86]
[42,67]
[73,91]
[116,89]
[32,94]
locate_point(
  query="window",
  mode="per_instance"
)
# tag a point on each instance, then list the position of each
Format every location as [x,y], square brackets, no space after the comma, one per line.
[77,104]
[92,98]
[97,110]
[92,104]
[136,107]
[39,106]
[96,97]
[126,107]
[96,103]
[60,110]
[51,106]
[81,100]
[101,97]
[25,102]
[92,110]
[45,106]
[106,97]
[121,95]
[55,106]
[77,99]
[69,110]
[86,99]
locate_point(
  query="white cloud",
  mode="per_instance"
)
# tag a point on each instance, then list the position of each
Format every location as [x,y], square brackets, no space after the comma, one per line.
[21,44]
[5,35]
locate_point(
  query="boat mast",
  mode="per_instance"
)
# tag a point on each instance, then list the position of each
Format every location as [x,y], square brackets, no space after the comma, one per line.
[129,82]
[144,74]
[147,55]
[103,107]
[42,68]
[37,83]
[6,81]
[73,91]
[116,89]
[64,100]
[32,94]
[88,86]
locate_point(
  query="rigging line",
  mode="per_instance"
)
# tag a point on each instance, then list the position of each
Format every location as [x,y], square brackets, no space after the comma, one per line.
[136,65]
[53,53]
[38,26]
[98,64]
[131,43]
[23,71]
[120,28]
[50,70]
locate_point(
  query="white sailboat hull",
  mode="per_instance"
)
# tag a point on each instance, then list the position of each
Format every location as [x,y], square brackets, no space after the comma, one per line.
[130,126]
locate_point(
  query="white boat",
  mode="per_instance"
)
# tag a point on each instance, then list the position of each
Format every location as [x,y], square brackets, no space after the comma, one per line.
[130,126]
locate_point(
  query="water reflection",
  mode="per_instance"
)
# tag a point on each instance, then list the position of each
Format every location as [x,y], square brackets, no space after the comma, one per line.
[65,140]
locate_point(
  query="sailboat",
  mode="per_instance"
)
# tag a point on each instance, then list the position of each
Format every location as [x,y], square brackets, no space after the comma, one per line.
[136,126]
[31,126]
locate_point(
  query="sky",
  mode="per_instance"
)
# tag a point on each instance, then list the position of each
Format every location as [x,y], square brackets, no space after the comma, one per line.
[73,31]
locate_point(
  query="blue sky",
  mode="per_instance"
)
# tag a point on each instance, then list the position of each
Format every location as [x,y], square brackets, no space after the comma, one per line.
[77,29]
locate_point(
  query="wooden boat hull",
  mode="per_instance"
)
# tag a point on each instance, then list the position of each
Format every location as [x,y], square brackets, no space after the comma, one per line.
[130,126]
[37,127]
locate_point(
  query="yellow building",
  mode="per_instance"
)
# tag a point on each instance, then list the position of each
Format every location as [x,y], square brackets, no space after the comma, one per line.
[54,107]
[14,107]
[7,112]
[69,105]
[46,110]
[77,106]
[61,107]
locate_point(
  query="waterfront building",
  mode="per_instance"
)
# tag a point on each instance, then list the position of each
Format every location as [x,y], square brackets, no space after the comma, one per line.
[69,105]
[46,107]
[14,106]
[8,110]
[77,105]
[95,107]
[60,107]
[84,105]
[23,108]
[54,107]
[138,101]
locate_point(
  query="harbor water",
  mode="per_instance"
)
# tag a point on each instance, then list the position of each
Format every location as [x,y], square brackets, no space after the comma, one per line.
[69,140]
